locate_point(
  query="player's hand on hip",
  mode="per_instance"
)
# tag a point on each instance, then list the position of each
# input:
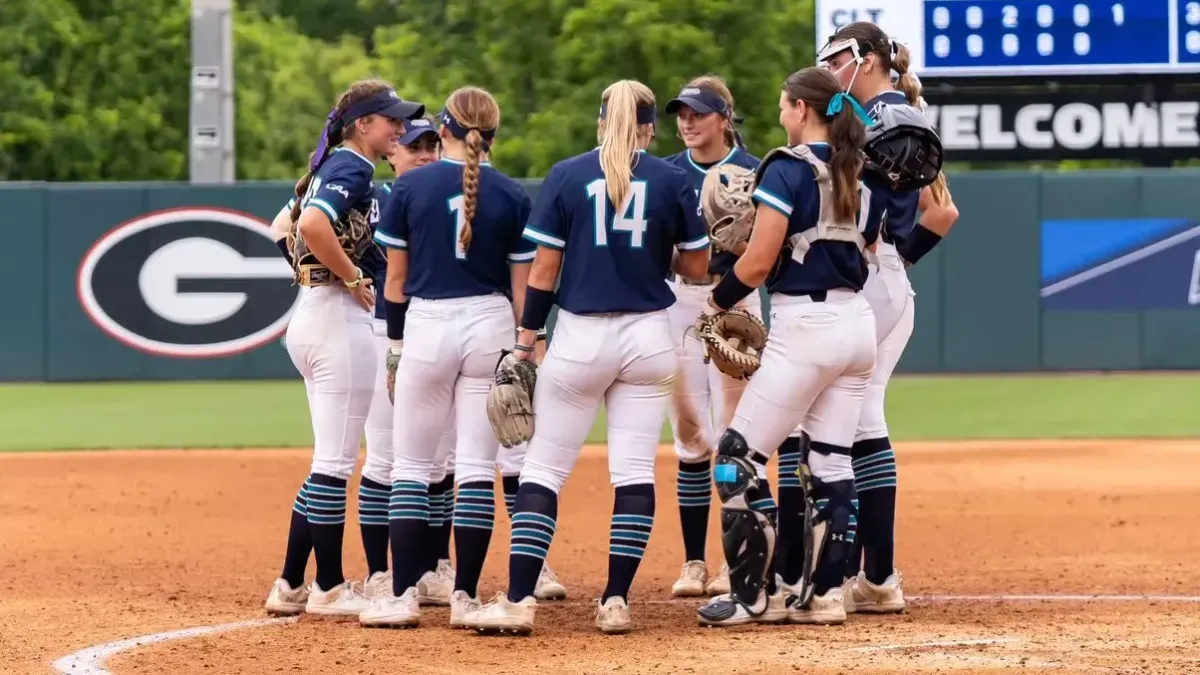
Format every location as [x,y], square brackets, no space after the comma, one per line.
[390,362]
[364,295]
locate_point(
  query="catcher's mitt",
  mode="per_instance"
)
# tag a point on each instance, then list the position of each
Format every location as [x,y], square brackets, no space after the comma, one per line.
[728,208]
[354,234]
[510,400]
[733,340]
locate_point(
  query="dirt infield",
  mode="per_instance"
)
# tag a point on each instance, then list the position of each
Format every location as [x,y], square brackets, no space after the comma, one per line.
[107,546]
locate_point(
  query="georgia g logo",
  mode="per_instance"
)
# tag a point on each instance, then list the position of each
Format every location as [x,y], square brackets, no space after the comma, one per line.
[195,282]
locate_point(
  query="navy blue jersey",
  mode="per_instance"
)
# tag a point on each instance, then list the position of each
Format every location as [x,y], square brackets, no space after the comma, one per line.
[901,215]
[789,186]
[616,260]
[425,215]
[723,261]
[374,263]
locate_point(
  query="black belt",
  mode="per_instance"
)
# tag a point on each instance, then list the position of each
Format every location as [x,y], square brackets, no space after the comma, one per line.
[818,296]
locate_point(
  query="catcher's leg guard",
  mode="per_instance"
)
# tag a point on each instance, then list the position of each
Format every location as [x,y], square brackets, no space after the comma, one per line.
[747,536]
[828,511]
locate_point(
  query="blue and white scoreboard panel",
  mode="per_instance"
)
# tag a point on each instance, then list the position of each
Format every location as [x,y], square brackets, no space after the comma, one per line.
[974,38]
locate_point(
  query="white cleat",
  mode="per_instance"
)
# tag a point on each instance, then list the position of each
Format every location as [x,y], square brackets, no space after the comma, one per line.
[461,606]
[548,586]
[504,616]
[392,611]
[719,584]
[848,595]
[285,600]
[692,579]
[378,585]
[612,616]
[343,600]
[434,587]
[776,611]
[825,610]
[886,598]
[445,571]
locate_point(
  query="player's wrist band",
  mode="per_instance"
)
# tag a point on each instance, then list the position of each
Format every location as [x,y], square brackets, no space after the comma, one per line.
[730,291]
[522,348]
[537,308]
[920,242]
[283,248]
[395,312]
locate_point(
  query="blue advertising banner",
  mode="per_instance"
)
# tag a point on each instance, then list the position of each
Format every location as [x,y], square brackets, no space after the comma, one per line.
[1122,264]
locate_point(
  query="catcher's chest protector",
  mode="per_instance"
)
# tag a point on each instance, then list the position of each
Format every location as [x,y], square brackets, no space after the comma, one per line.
[828,228]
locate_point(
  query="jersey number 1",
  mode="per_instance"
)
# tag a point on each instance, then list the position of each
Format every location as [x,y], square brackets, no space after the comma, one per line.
[458,210]
[631,217]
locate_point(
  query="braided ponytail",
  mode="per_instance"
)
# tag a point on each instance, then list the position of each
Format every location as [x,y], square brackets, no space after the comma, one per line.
[470,183]
[473,116]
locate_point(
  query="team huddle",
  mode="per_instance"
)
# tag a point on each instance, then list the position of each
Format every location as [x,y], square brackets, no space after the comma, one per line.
[423,310]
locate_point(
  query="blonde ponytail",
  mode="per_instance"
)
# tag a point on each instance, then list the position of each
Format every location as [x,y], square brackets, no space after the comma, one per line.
[618,139]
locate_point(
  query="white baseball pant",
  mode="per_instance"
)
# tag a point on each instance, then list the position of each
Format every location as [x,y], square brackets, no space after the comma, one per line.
[625,361]
[890,295]
[450,355]
[814,373]
[709,392]
[330,341]
[380,456]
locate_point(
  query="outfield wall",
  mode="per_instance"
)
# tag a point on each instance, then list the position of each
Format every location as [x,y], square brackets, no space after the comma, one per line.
[1078,271]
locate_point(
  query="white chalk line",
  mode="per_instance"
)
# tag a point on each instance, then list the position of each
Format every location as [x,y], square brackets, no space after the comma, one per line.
[937,643]
[1056,598]
[934,599]
[90,661]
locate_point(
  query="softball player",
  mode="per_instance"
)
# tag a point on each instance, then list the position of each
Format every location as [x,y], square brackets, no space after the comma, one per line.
[330,342]
[418,146]
[461,220]
[705,118]
[610,221]
[863,58]
[811,227]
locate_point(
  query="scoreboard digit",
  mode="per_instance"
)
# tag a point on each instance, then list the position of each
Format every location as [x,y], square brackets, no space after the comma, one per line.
[1188,36]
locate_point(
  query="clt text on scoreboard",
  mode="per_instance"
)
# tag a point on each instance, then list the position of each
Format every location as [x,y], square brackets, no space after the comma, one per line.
[1032,37]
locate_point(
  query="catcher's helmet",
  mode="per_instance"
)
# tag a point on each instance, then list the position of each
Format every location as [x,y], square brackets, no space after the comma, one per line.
[903,146]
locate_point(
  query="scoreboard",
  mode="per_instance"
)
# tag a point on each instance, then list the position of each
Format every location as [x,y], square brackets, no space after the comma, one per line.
[980,38]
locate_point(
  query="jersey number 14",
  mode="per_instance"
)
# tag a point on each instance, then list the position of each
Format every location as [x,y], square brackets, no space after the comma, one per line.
[630,217]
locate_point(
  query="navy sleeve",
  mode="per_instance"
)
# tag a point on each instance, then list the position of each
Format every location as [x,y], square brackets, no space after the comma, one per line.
[548,225]
[346,184]
[692,233]
[876,202]
[777,189]
[392,230]
[522,249]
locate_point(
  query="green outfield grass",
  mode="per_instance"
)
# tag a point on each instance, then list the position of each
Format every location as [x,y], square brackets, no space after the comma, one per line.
[275,414]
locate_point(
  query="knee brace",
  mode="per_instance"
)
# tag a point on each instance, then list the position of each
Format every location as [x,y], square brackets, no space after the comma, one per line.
[827,513]
[747,536]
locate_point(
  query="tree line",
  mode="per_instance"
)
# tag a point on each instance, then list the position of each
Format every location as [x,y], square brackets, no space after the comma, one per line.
[98,90]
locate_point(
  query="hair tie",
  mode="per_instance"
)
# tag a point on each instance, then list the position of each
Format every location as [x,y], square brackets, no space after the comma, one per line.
[323,142]
[838,102]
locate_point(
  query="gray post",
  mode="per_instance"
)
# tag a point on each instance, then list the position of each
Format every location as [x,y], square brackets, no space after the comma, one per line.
[210,120]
